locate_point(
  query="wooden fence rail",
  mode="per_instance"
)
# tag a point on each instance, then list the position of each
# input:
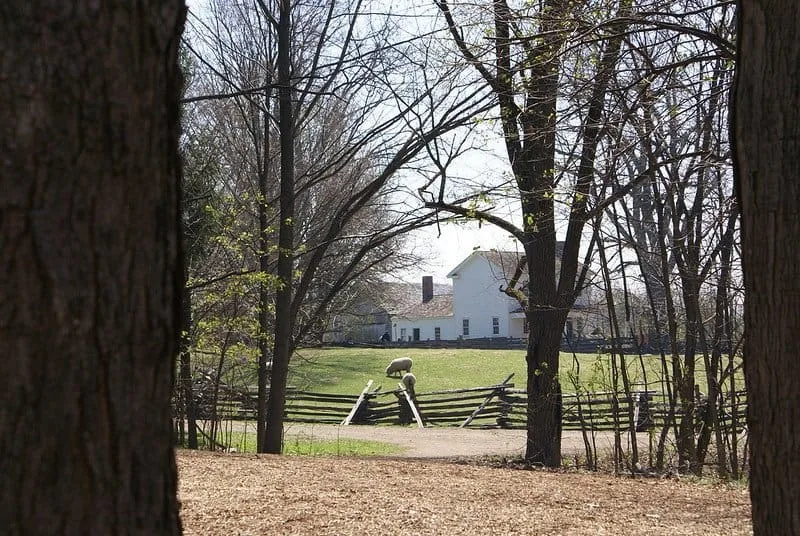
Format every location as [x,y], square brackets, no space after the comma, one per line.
[499,405]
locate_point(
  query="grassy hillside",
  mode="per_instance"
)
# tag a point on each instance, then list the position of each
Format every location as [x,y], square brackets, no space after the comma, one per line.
[347,370]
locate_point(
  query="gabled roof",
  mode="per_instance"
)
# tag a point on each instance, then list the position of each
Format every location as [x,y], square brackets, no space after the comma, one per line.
[405,299]
[505,262]
[438,306]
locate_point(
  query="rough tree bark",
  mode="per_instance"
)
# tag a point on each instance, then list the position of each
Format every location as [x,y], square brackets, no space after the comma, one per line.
[767,137]
[264,288]
[283,297]
[90,255]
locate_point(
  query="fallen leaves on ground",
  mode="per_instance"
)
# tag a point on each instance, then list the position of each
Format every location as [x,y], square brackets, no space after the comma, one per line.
[242,495]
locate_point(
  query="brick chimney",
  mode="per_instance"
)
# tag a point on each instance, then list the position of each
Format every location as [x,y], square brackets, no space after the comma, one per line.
[427,288]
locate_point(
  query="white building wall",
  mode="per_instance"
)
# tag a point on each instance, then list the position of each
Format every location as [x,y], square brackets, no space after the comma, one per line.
[427,331]
[477,296]
[517,327]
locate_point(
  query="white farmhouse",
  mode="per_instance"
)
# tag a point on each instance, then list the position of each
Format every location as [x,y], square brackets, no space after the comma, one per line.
[429,317]
[478,308]
[369,318]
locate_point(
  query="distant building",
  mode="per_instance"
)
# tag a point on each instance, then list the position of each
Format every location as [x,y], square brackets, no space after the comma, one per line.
[371,319]
[473,307]
[479,309]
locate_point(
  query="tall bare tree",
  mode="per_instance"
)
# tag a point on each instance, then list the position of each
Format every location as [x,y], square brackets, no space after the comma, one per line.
[524,63]
[681,218]
[767,141]
[91,262]
[282,350]
[355,125]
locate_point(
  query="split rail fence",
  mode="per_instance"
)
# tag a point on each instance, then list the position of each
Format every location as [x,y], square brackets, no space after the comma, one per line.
[494,406]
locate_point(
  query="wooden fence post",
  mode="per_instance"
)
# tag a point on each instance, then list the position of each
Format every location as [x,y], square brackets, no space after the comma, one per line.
[486,402]
[357,405]
[411,405]
[506,407]
[643,420]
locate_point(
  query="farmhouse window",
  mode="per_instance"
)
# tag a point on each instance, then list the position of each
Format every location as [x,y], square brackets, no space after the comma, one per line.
[525,327]
[437,333]
[465,327]
[495,325]
[402,334]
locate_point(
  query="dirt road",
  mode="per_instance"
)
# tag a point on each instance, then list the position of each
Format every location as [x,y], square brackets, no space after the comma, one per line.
[443,442]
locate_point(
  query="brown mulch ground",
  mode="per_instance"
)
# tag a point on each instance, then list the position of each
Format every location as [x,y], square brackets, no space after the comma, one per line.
[234,494]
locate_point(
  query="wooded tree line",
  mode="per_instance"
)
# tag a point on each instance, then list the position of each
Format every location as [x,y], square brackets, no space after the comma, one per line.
[314,138]
[363,108]
[612,115]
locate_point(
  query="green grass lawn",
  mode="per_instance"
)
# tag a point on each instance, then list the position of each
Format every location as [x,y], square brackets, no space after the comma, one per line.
[347,370]
[303,446]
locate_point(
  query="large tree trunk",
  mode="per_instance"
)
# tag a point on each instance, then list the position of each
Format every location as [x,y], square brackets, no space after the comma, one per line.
[767,138]
[283,296]
[90,255]
[544,410]
[685,381]
[264,288]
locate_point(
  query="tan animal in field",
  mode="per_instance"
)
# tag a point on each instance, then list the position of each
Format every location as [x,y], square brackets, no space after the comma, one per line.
[398,365]
[409,381]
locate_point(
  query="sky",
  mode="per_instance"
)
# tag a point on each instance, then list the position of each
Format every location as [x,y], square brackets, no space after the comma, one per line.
[456,242]
[488,165]
[449,244]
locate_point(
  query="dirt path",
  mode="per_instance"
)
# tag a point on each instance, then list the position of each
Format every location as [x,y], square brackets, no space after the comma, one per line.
[443,442]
